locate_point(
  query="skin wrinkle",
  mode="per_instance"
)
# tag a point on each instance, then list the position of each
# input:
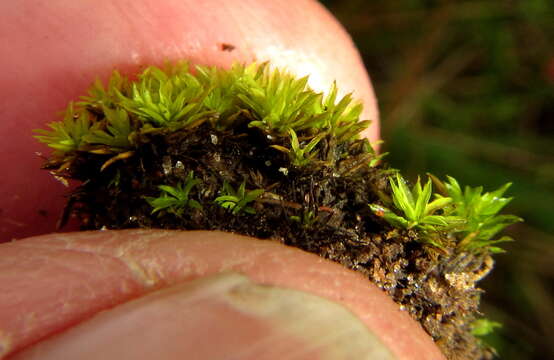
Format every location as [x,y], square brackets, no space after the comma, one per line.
[142,274]
[60,263]
[152,268]
[192,263]
[145,274]
[133,268]
[125,252]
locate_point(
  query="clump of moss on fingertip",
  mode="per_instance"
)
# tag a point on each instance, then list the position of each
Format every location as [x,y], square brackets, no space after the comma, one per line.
[256,151]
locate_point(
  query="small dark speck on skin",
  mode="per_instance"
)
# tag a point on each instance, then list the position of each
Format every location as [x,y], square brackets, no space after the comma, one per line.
[226,47]
[43,212]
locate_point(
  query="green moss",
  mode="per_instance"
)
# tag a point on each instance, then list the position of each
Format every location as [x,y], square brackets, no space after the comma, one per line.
[116,119]
[178,149]
[469,216]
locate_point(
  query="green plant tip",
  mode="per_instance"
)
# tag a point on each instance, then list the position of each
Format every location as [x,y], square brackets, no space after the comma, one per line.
[115,119]
[484,327]
[237,201]
[176,199]
[470,216]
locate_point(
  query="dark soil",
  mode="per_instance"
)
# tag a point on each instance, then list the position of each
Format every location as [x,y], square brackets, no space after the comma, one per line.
[330,197]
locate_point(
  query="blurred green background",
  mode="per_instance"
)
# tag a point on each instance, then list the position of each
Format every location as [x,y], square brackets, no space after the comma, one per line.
[466,88]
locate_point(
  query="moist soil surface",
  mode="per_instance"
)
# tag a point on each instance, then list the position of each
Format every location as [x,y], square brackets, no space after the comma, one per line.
[321,208]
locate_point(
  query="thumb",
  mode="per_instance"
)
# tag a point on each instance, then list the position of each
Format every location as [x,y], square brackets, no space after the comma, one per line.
[54,282]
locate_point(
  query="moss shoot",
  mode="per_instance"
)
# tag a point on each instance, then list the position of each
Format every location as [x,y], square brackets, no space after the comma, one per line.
[255,151]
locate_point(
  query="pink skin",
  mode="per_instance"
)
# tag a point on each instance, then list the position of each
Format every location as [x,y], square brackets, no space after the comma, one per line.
[51,52]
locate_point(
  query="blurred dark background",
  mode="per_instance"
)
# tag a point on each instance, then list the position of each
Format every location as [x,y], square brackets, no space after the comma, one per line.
[466,88]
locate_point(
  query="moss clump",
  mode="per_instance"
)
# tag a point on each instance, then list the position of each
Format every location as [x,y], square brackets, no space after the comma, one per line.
[255,151]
